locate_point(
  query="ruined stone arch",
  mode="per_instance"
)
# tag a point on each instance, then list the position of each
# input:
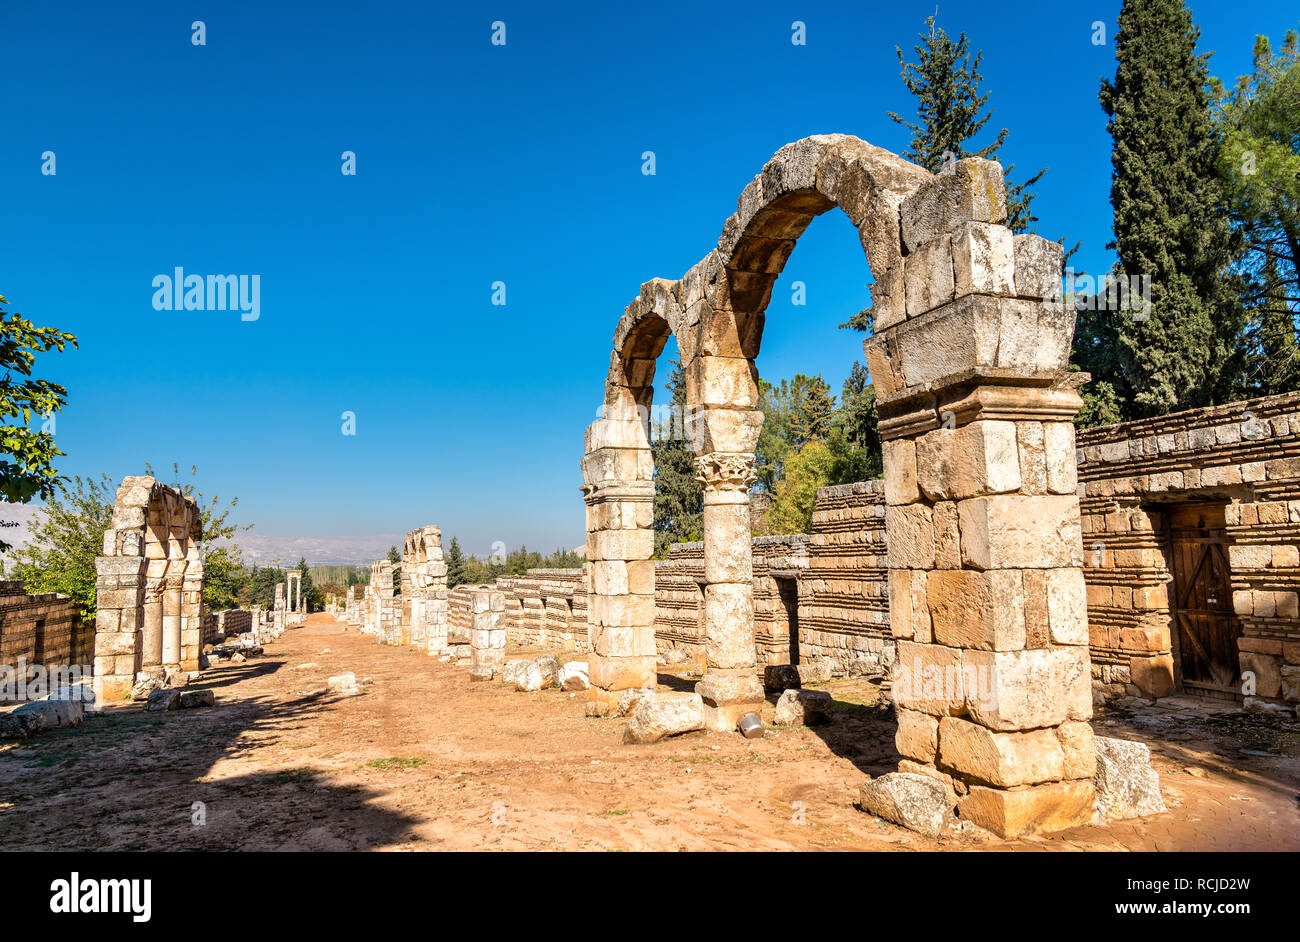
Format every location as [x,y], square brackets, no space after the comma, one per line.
[149,588]
[970,363]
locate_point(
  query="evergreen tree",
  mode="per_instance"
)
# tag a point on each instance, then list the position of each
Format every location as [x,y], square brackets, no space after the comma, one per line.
[395,557]
[1274,353]
[679,496]
[455,560]
[310,594]
[1169,223]
[811,408]
[950,111]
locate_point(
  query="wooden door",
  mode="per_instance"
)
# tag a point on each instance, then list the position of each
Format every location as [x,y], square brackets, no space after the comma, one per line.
[1206,625]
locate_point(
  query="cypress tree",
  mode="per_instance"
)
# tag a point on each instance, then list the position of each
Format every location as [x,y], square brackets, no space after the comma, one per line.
[1169,221]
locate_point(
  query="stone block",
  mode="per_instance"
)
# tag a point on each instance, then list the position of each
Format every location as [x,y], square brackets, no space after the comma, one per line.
[1153,676]
[909,534]
[1001,759]
[1014,531]
[1020,690]
[1039,267]
[973,609]
[983,259]
[1127,786]
[928,276]
[662,714]
[918,802]
[981,457]
[918,735]
[1033,809]
[971,189]
[797,707]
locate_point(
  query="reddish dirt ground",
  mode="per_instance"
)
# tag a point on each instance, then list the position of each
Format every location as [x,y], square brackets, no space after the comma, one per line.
[427,760]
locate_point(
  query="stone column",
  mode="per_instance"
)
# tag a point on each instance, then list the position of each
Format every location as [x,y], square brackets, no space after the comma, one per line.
[487,636]
[621,601]
[192,610]
[435,595]
[152,622]
[986,592]
[172,610]
[731,687]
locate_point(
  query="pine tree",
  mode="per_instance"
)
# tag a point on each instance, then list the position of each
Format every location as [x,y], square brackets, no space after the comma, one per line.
[679,496]
[811,408]
[310,596]
[1169,224]
[455,564]
[950,111]
[1275,354]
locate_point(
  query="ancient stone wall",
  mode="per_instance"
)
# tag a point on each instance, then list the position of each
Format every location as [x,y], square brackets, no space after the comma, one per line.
[1195,489]
[546,607]
[42,629]
[229,622]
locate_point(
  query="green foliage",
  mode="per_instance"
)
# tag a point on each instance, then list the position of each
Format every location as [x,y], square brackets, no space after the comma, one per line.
[1259,169]
[26,456]
[60,556]
[1169,223]
[946,80]
[455,560]
[679,496]
[473,571]
[395,557]
[795,412]
[310,594]
[795,496]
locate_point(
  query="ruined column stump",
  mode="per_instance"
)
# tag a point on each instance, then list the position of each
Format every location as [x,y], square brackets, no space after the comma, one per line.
[619,492]
[986,590]
[487,635]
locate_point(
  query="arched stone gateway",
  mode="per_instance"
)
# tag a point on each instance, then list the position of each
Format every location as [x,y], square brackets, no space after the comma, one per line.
[424,591]
[969,360]
[148,589]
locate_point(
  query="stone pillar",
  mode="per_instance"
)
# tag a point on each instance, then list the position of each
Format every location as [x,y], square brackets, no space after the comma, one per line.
[435,593]
[986,591]
[731,687]
[192,610]
[617,471]
[487,636]
[151,655]
[172,610]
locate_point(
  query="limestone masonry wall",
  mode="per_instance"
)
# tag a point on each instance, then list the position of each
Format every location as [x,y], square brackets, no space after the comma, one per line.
[42,629]
[1195,490]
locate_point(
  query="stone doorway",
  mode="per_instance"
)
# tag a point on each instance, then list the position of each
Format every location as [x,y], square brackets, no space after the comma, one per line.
[1204,627]
[787,594]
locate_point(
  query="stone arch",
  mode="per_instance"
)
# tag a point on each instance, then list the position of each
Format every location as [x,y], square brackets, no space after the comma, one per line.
[149,589]
[424,590]
[970,362]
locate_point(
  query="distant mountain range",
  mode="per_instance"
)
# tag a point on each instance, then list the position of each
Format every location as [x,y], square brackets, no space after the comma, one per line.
[17,520]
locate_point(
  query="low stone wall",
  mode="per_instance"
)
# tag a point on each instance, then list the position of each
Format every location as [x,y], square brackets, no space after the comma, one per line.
[42,629]
[1154,495]
[229,622]
[546,607]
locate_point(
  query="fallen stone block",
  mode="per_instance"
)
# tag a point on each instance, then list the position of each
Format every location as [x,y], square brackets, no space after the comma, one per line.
[816,671]
[573,676]
[1256,705]
[803,708]
[1127,786]
[237,658]
[917,802]
[164,699]
[144,685]
[513,670]
[549,666]
[659,715]
[627,701]
[345,684]
[14,725]
[191,699]
[778,678]
[40,715]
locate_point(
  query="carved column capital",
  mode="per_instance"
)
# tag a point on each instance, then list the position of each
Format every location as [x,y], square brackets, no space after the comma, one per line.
[726,472]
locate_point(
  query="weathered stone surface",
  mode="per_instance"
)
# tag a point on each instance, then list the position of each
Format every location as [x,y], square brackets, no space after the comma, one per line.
[1022,690]
[917,802]
[973,609]
[1015,531]
[918,735]
[971,189]
[1031,809]
[164,699]
[1127,786]
[192,699]
[1001,759]
[51,714]
[975,459]
[803,707]
[778,678]
[573,676]
[660,714]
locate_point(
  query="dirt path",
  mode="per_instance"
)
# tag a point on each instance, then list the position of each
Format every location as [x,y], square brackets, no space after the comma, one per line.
[427,760]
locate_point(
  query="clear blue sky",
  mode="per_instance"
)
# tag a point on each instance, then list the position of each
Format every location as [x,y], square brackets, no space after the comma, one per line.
[475,163]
